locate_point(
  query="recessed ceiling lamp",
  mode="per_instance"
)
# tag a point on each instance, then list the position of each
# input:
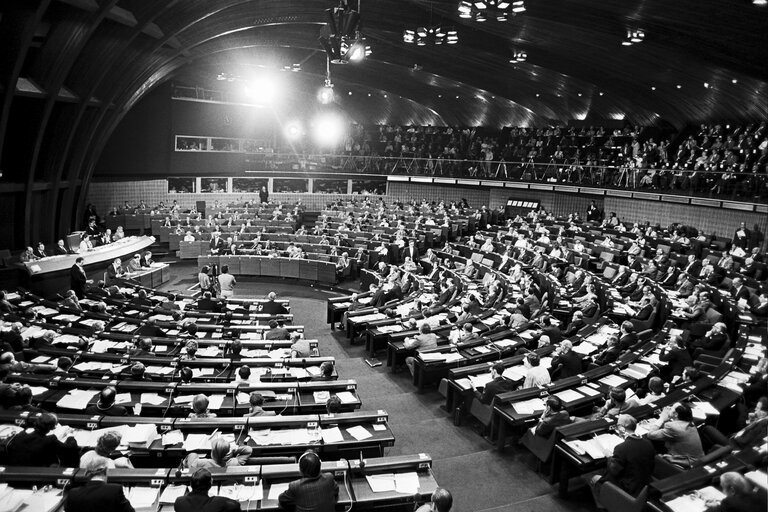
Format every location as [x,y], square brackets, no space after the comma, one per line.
[498,10]
[634,36]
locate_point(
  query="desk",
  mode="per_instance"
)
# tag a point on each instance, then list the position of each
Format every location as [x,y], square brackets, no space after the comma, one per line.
[104,253]
[310,270]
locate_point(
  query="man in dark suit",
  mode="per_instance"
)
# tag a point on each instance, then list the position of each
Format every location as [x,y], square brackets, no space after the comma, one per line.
[692,266]
[97,495]
[631,465]
[566,361]
[553,416]
[645,311]
[447,294]
[314,492]
[498,385]
[61,249]
[271,307]
[741,237]
[106,406]
[217,244]
[208,303]
[621,277]
[553,331]
[576,324]
[411,251]
[77,278]
[738,290]
[114,271]
[199,501]
[628,336]
[40,447]
[669,279]
[676,357]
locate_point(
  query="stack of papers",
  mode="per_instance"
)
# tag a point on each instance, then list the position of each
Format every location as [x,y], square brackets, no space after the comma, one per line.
[332,435]
[405,483]
[173,437]
[275,490]
[359,432]
[515,373]
[242,493]
[569,395]
[195,442]
[151,399]
[347,397]
[598,447]
[76,399]
[636,371]
[613,380]
[142,497]
[171,492]
[584,348]
[140,435]
[321,397]
[480,380]
[529,406]
[701,410]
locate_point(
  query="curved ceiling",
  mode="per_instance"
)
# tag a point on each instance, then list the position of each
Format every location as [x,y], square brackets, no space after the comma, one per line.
[71,69]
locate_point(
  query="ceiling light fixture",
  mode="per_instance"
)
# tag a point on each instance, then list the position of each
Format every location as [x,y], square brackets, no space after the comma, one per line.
[498,10]
[344,42]
[518,56]
[634,36]
[325,93]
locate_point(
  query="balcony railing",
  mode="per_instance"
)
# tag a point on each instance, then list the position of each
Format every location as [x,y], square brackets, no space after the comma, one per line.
[745,186]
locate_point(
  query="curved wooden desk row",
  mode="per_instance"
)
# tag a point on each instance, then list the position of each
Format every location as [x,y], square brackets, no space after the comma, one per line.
[259,483]
[170,399]
[568,462]
[309,270]
[148,437]
[124,247]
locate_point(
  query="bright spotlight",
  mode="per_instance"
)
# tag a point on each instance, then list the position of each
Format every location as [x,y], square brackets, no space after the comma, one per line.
[263,88]
[328,129]
[325,94]
[293,130]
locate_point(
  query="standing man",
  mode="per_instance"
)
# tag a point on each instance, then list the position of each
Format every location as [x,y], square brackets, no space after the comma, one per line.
[77,278]
[263,195]
[226,282]
[314,492]
[741,237]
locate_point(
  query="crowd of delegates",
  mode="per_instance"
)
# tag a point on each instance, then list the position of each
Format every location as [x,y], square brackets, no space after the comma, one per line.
[717,159]
[641,273]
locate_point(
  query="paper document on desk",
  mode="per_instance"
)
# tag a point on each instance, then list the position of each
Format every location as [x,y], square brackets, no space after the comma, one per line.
[504,343]
[242,492]
[201,372]
[588,390]
[123,398]
[171,492]
[41,501]
[529,406]
[140,434]
[159,370]
[481,380]
[687,503]
[453,357]
[151,399]
[37,390]
[359,432]
[515,373]
[332,435]
[569,395]
[275,490]
[321,396]
[208,352]
[66,339]
[347,397]
[701,410]
[407,483]
[76,399]
[142,497]
[184,399]
[384,482]
[759,478]
[463,383]
[636,371]
[173,437]
[584,348]
[613,380]
[197,442]
[215,402]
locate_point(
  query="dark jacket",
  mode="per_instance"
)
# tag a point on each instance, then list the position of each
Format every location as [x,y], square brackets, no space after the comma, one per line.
[278,333]
[197,501]
[36,449]
[77,281]
[550,422]
[318,494]
[570,364]
[632,464]
[496,386]
[96,496]
[273,308]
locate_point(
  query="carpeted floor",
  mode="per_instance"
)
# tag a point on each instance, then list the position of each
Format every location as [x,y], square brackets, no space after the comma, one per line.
[480,478]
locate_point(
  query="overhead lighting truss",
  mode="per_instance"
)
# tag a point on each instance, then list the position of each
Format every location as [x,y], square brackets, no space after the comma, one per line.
[344,42]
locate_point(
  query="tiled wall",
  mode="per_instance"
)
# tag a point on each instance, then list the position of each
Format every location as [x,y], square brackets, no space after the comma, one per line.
[105,195]
[722,222]
[403,191]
